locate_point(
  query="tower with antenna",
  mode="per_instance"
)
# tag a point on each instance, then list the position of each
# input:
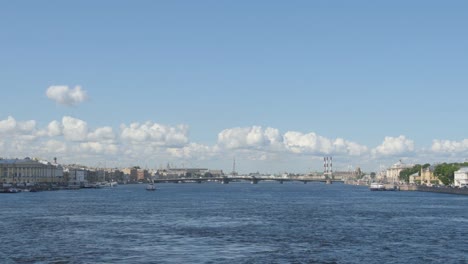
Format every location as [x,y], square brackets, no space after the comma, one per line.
[234,173]
[328,167]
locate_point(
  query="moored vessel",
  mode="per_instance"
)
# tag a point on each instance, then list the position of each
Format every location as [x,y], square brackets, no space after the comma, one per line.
[376,187]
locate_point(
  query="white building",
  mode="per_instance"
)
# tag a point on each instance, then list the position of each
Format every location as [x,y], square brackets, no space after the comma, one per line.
[461,177]
[393,173]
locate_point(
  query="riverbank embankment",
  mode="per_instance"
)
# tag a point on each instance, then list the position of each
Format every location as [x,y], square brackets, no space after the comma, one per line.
[441,189]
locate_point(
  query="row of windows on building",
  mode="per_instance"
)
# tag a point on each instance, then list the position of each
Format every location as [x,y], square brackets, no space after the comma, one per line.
[36,171]
[29,171]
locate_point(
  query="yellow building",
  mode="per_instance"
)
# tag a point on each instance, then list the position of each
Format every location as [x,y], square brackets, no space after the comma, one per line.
[428,177]
[29,171]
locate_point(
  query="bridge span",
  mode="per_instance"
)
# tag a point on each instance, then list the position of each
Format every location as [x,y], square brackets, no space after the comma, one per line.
[251,179]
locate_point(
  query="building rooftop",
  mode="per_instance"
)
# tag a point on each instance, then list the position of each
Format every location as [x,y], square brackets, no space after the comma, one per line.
[463,169]
[430,168]
[14,161]
[25,160]
[400,165]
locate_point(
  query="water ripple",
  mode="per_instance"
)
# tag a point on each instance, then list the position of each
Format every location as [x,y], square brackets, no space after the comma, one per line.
[235,223]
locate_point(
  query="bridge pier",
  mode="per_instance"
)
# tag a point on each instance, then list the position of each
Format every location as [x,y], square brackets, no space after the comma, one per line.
[225,181]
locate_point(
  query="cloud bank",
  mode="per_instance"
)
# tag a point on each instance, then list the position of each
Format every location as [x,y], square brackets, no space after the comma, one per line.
[447,146]
[156,134]
[75,141]
[249,137]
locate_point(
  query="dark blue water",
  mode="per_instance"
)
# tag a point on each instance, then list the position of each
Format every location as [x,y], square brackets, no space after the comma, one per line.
[233,223]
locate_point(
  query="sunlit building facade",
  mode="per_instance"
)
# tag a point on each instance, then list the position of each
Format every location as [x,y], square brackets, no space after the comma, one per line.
[30,171]
[461,177]
[393,173]
[428,177]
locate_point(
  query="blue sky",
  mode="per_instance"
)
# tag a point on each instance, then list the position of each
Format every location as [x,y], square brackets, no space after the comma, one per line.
[272,83]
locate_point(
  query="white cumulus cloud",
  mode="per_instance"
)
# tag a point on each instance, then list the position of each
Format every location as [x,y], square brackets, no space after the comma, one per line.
[63,95]
[102,133]
[54,129]
[348,147]
[155,134]
[98,147]
[55,146]
[74,129]
[7,125]
[394,146]
[26,126]
[249,137]
[11,127]
[298,142]
[448,146]
[194,151]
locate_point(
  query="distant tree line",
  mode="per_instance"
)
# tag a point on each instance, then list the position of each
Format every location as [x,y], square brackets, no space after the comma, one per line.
[444,172]
[406,173]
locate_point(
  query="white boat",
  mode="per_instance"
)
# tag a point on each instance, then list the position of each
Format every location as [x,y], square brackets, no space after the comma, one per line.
[107,184]
[13,190]
[150,187]
[377,187]
[91,185]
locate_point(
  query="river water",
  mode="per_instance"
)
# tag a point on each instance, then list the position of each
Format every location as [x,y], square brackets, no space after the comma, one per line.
[233,223]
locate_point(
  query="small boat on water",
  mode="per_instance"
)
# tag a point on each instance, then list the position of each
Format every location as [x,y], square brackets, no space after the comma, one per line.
[91,186]
[150,187]
[107,184]
[13,190]
[377,187]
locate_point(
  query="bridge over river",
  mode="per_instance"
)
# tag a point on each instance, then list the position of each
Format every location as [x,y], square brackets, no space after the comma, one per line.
[251,179]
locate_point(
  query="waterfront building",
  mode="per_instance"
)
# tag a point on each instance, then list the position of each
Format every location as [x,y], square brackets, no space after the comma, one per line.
[29,171]
[182,172]
[215,173]
[381,176]
[461,177]
[428,177]
[348,175]
[366,178]
[142,175]
[393,173]
[414,178]
[77,176]
[131,173]
[116,175]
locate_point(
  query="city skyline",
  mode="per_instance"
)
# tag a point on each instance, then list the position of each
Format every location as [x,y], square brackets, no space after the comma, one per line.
[276,86]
